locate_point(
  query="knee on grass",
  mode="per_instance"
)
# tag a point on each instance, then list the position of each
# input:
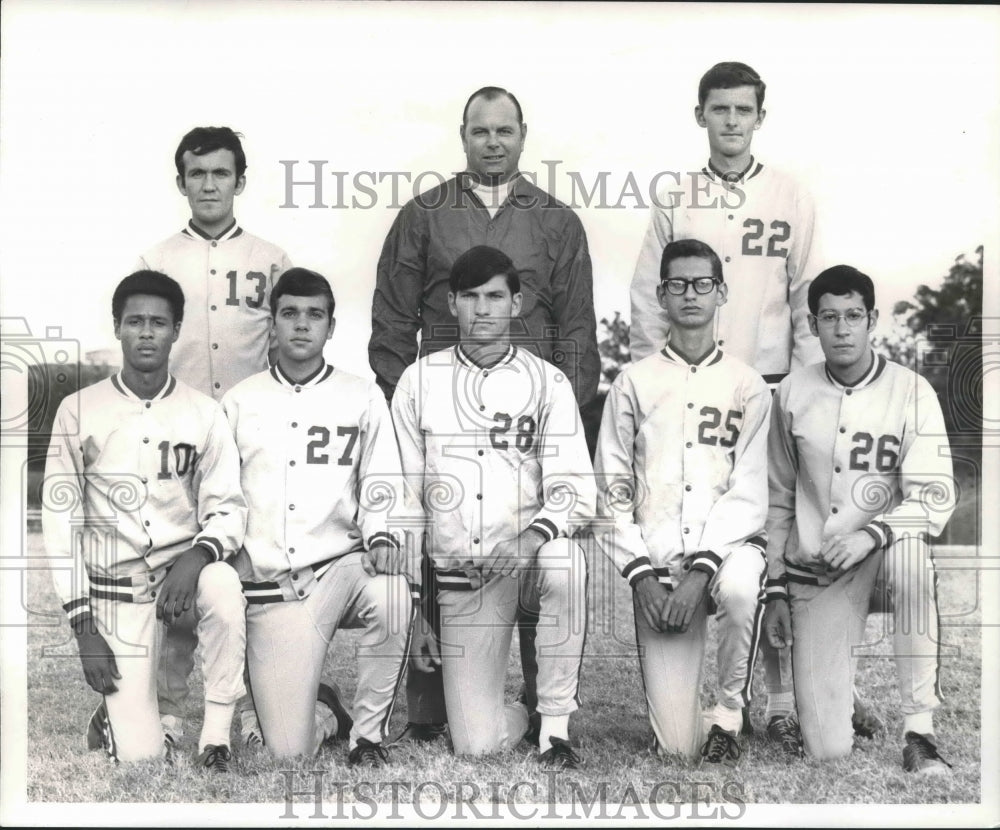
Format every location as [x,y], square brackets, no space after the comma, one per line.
[828,747]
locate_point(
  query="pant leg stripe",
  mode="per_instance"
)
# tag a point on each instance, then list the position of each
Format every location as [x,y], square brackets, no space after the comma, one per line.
[937,613]
[586,621]
[112,746]
[400,674]
[249,685]
[755,635]
[642,674]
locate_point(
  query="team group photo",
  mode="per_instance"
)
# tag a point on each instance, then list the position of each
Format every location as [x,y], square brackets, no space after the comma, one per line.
[486,482]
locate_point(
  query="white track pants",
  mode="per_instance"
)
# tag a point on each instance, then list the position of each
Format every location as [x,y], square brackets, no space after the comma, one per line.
[828,626]
[287,644]
[476,631]
[672,663]
[136,637]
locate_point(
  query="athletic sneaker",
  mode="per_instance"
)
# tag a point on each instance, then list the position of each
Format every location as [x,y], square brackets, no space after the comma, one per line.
[865,722]
[99,733]
[560,755]
[424,733]
[368,754]
[921,756]
[784,731]
[215,758]
[250,730]
[173,728]
[169,745]
[534,718]
[330,696]
[720,748]
[98,728]
[534,728]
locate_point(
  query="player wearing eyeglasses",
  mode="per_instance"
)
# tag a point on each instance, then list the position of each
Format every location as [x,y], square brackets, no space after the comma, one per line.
[860,477]
[682,470]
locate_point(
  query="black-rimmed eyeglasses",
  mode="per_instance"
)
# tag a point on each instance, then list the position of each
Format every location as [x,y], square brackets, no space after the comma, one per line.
[678,286]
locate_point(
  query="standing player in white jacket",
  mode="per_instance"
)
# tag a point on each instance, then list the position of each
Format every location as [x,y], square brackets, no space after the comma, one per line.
[227,275]
[759,221]
[490,435]
[326,543]
[682,465]
[149,468]
[860,477]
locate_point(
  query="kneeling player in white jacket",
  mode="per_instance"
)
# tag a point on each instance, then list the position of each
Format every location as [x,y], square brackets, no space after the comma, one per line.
[491,436]
[860,476]
[148,467]
[682,466]
[320,467]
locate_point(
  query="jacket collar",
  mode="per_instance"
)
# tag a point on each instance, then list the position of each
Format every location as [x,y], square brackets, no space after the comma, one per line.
[751,170]
[874,371]
[675,356]
[467,361]
[322,373]
[195,232]
[118,382]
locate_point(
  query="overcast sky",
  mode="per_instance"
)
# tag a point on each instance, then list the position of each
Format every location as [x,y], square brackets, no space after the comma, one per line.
[890,114]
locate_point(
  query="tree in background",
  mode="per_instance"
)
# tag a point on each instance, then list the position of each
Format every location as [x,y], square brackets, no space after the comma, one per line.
[614,348]
[940,335]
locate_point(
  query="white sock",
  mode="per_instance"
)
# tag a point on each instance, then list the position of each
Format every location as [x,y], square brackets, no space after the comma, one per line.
[922,723]
[729,719]
[553,726]
[779,704]
[218,720]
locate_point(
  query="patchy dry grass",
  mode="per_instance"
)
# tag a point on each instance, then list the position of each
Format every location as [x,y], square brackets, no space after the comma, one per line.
[611,730]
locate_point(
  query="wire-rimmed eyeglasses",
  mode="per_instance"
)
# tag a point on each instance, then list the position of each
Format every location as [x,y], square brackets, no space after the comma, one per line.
[853,317]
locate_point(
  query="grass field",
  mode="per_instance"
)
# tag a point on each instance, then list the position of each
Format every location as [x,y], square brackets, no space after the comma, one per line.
[611,730]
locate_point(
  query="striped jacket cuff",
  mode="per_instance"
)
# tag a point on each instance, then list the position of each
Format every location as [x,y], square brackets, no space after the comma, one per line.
[414,590]
[454,580]
[775,589]
[78,612]
[637,569]
[880,532]
[213,546]
[546,527]
[383,538]
[707,561]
